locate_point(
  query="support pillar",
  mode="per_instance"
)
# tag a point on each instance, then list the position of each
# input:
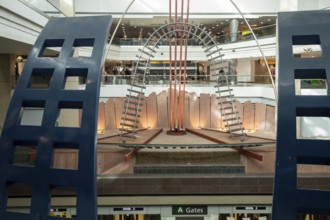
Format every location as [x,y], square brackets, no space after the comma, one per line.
[233,26]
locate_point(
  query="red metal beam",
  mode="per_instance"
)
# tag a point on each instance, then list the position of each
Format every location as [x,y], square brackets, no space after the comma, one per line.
[240,150]
[249,135]
[115,135]
[248,153]
[153,136]
[134,152]
[206,136]
[131,155]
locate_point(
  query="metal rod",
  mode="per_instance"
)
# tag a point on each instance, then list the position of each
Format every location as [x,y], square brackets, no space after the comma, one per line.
[185,66]
[180,70]
[261,51]
[170,78]
[175,64]
[115,31]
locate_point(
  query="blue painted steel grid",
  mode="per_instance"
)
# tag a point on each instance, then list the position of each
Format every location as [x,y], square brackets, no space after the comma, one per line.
[300,28]
[65,33]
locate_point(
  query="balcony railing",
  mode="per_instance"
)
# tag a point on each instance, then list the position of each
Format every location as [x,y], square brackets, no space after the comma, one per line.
[191,80]
[260,32]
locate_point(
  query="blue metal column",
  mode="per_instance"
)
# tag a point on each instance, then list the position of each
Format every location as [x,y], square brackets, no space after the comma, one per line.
[300,28]
[66,34]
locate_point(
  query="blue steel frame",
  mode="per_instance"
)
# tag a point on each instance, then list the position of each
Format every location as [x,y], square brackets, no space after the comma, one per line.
[66,33]
[300,28]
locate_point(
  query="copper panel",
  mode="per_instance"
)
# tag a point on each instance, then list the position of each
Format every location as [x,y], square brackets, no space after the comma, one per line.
[260,117]
[205,110]
[193,110]
[110,115]
[119,109]
[270,118]
[162,113]
[152,110]
[248,122]
[101,125]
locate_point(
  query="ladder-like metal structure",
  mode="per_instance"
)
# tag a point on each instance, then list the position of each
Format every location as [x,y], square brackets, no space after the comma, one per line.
[228,110]
[134,98]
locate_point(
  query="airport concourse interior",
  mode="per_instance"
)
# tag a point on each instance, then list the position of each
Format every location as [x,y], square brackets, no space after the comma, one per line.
[191,111]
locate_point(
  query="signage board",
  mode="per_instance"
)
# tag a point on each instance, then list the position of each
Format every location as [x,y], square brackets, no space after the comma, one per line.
[128,209]
[189,210]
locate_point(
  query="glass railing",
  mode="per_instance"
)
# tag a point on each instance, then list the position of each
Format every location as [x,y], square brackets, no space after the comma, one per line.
[192,80]
[260,32]
[313,84]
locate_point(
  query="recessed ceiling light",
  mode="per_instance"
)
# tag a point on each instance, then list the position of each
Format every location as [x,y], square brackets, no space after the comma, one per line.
[217,25]
[221,22]
[213,27]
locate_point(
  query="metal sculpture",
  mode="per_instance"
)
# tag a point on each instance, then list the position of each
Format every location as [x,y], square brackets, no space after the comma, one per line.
[300,29]
[65,34]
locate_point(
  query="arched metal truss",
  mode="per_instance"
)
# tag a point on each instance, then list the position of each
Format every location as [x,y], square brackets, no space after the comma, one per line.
[228,110]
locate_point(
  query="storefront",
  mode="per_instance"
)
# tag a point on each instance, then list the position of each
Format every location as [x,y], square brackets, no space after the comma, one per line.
[187,212]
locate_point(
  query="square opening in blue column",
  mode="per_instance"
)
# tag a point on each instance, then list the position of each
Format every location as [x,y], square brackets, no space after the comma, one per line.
[69,114]
[41,78]
[22,190]
[25,153]
[84,46]
[75,78]
[31,113]
[313,123]
[306,46]
[56,195]
[65,156]
[51,48]
[310,82]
